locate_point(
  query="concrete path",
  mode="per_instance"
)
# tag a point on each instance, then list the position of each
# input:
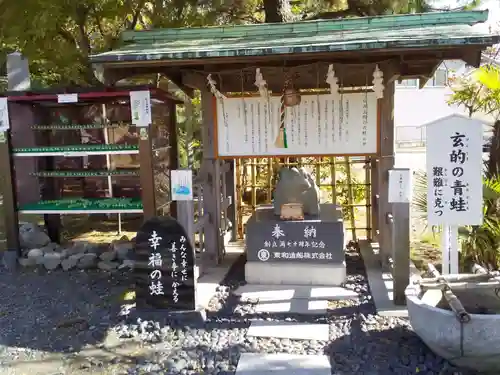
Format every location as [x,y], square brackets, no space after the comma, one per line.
[289,330]
[294,299]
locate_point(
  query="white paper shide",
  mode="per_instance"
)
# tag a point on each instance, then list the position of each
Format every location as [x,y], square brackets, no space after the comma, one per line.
[4,115]
[454,173]
[140,107]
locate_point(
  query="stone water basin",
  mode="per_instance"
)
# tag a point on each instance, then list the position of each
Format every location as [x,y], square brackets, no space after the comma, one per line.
[474,345]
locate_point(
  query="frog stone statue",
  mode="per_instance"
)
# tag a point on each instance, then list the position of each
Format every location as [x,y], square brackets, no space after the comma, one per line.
[296,186]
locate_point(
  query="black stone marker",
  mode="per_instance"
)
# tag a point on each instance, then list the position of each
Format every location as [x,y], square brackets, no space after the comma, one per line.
[164,270]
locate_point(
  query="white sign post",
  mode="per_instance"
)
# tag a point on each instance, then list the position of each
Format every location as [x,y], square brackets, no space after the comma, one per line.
[454,181]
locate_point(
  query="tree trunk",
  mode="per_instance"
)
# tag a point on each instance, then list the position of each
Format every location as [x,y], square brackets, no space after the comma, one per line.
[273,11]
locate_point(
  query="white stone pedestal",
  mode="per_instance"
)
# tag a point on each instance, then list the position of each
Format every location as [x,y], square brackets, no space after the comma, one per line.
[295,273]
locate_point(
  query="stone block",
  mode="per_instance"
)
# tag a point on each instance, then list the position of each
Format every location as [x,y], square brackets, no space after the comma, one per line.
[283,364]
[295,273]
[314,240]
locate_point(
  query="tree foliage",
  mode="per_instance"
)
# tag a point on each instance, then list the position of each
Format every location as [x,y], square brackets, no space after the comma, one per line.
[477,92]
[57,36]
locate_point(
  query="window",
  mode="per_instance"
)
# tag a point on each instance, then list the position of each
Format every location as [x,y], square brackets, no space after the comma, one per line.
[408,83]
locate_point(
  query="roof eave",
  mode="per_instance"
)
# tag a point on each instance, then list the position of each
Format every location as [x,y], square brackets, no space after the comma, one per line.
[427,44]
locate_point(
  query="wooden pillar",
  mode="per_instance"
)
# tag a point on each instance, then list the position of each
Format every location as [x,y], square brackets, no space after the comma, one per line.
[22,117]
[401,251]
[185,216]
[174,147]
[231,191]
[147,173]
[210,183]
[50,188]
[386,162]
[374,198]
[8,191]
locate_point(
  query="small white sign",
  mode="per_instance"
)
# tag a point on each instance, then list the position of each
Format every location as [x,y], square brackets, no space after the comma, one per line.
[4,115]
[454,172]
[67,98]
[181,182]
[400,186]
[140,108]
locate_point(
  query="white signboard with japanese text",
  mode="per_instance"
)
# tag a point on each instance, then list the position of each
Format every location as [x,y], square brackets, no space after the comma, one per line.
[319,125]
[400,185]
[67,98]
[454,172]
[181,181]
[140,107]
[4,115]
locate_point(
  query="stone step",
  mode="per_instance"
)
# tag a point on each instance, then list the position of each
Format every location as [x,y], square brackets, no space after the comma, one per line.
[283,364]
[288,292]
[300,306]
[289,330]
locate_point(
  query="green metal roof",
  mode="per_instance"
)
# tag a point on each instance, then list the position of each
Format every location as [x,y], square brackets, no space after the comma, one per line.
[353,34]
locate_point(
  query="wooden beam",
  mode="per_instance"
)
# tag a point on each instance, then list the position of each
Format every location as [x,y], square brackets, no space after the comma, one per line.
[423,79]
[194,80]
[373,56]
[112,76]
[176,78]
[472,58]
[304,77]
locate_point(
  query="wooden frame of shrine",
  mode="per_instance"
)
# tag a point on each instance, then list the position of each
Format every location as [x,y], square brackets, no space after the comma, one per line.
[34,155]
[227,61]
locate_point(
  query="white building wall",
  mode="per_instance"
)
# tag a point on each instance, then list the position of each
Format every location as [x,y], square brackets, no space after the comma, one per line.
[414,107]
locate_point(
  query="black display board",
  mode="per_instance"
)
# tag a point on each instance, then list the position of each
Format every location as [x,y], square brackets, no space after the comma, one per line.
[164,271]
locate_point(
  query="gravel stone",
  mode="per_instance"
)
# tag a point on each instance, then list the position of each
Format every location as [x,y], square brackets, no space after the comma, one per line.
[107,265]
[51,260]
[79,317]
[69,263]
[107,256]
[87,260]
[32,236]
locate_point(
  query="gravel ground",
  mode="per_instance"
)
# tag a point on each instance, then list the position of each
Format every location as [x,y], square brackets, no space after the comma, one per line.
[70,323]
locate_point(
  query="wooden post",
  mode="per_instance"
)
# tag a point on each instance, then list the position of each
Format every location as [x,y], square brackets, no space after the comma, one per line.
[174,152]
[211,182]
[374,200]
[231,191]
[217,193]
[185,216]
[147,173]
[26,188]
[401,251]
[386,162]
[8,191]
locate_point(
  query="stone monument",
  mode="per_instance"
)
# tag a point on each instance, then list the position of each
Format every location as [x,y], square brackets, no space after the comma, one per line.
[303,251]
[164,268]
[296,186]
